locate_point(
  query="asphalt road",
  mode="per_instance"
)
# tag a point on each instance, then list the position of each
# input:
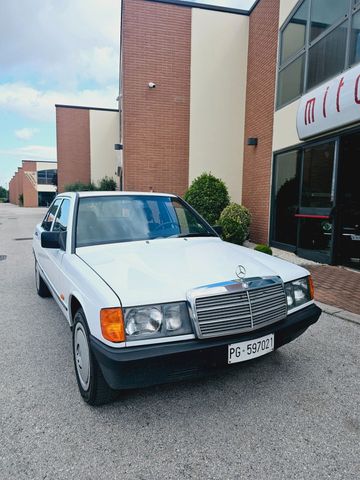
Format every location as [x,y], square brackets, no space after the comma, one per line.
[294,414]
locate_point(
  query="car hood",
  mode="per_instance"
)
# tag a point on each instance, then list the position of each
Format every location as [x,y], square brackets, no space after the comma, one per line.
[163,270]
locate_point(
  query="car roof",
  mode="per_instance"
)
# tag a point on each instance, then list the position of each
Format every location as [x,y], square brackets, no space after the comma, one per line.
[116,194]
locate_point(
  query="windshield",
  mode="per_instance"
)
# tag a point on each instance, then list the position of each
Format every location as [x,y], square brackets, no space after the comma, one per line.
[135,217]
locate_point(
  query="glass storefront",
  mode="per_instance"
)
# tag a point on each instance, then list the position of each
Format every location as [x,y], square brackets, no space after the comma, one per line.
[316,200]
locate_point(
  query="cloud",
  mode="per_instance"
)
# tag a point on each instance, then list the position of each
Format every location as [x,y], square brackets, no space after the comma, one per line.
[36,104]
[60,41]
[26,133]
[31,152]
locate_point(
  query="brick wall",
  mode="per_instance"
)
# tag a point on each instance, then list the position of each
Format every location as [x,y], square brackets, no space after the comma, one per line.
[19,186]
[73,145]
[260,97]
[29,189]
[156,47]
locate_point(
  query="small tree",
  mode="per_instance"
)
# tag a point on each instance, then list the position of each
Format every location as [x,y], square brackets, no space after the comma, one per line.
[235,221]
[80,187]
[209,196]
[107,184]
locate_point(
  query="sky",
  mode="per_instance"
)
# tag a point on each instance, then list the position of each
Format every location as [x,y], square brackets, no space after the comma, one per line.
[55,52]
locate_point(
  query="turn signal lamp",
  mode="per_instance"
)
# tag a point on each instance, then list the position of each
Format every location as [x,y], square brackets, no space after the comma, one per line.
[311,287]
[112,324]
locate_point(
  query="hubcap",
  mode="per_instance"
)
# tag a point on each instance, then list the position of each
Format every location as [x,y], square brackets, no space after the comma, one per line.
[82,356]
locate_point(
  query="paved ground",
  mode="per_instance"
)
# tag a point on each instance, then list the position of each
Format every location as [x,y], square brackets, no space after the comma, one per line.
[338,286]
[293,414]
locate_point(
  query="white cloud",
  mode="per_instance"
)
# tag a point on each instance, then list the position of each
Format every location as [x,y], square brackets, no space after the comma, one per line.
[60,40]
[31,152]
[25,133]
[39,105]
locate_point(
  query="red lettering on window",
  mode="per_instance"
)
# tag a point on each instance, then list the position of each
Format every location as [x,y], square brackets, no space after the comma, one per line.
[324,101]
[341,84]
[309,115]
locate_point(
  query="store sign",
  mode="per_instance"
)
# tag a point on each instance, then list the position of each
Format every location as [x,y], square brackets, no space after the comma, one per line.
[332,105]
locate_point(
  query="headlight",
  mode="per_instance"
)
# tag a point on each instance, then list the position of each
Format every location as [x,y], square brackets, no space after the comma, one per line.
[157,321]
[299,292]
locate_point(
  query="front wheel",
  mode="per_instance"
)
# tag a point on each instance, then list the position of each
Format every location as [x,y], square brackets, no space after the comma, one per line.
[91,382]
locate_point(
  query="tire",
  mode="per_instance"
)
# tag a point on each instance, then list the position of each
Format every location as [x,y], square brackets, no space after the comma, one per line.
[41,287]
[91,382]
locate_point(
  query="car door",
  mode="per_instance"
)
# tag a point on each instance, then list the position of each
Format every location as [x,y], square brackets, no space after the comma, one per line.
[42,254]
[55,255]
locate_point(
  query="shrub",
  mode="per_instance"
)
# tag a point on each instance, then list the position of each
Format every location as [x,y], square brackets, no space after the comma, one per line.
[209,196]
[107,184]
[263,248]
[235,221]
[80,187]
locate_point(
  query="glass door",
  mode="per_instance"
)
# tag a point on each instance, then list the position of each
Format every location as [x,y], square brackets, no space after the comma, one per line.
[315,222]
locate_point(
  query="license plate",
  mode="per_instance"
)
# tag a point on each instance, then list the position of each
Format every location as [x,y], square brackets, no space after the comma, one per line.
[355,237]
[242,351]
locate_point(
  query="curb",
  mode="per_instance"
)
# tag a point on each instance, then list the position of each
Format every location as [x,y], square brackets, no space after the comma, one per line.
[338,312]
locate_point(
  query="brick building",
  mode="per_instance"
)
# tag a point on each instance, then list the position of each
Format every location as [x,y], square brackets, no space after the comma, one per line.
[266,99]
[34,184]
[86,138]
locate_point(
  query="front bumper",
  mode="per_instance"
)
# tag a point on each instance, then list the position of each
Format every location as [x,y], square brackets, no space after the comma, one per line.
[133,367]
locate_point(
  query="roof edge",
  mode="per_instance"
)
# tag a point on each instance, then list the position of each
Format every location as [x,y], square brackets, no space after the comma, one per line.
[58,105]
[204,6]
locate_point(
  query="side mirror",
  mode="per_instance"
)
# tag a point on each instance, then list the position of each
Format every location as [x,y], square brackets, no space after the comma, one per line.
[53,240]
[218,229]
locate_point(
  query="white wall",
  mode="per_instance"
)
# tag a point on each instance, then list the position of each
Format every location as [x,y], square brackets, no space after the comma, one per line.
[104,133]
[285,133]
[286,7]
[219,48]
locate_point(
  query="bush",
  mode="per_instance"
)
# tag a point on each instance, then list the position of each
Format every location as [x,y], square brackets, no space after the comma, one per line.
[209,196]
[263,248]
[235,221]
[80,187]
[107,184]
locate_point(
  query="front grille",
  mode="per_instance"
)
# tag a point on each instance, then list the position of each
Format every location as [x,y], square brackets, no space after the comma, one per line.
[230,313]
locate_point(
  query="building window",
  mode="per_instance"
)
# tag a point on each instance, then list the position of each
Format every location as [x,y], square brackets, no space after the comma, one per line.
[290,81]
[47,177]
[317,176]
[286,196]
[327,57]
[355,39]
[294,34]
[325,13]
[314,47]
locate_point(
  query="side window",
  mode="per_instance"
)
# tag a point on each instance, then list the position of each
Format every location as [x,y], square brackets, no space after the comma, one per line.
[49,217]
[61,222]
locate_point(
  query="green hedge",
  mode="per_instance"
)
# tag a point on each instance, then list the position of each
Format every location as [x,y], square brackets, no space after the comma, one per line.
[235,220]
[209,196]
[263,248]
[105,184]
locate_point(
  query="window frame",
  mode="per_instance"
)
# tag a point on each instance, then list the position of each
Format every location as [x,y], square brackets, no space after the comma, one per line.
[353,8]
[64,199]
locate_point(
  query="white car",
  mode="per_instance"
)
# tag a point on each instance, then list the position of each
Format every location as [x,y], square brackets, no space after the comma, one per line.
[154,295]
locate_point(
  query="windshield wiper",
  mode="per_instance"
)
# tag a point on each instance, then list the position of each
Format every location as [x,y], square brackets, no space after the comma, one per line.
[198,234]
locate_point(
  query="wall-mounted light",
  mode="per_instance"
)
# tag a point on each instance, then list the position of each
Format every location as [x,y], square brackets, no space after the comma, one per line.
[152,85]
[253,141]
